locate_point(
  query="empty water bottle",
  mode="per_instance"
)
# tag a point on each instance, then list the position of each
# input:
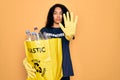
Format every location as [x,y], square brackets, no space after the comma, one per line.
[33,36]
[41,35]
[28,35]
[36,33]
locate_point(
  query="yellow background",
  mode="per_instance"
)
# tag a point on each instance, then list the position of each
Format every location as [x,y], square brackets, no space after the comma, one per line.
[95,52]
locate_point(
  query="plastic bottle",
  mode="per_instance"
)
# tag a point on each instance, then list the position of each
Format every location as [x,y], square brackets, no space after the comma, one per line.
[33,36]
[28,35]
[41,35]
[36,33]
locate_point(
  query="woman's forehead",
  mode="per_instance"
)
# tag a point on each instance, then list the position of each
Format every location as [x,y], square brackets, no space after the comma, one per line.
[58,9]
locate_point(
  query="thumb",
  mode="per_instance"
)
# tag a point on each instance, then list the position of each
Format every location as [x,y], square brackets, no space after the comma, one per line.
[62,27]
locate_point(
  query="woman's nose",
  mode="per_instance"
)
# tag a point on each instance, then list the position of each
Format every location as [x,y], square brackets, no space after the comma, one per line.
[58,15]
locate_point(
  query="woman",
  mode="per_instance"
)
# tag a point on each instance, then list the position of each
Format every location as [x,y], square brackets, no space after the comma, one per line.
[59,24]
[54,29]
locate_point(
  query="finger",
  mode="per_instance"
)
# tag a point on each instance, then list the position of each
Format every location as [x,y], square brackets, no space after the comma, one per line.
[76,20]
[26,64]
[64,17]
[29,67]
[68,16]
[30,77]
[24,61]
[62,27]
[31,74]
[71,14]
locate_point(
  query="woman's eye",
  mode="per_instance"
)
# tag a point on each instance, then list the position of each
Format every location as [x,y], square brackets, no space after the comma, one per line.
[55,13]
[61,13]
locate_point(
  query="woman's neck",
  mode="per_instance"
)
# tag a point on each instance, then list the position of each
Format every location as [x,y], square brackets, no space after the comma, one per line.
[55,25]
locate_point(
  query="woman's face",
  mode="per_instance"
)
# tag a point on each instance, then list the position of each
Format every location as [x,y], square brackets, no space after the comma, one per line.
[57,15]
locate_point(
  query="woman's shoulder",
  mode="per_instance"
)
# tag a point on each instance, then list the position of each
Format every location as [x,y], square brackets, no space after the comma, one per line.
[44,29]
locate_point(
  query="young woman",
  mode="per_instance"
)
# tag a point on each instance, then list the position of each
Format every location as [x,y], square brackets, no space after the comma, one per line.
[54,29]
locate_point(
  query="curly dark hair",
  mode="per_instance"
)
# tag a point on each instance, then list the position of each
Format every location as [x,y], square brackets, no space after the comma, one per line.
[50,21]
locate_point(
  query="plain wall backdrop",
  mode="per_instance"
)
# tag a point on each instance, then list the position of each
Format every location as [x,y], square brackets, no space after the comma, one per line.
[95,52]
